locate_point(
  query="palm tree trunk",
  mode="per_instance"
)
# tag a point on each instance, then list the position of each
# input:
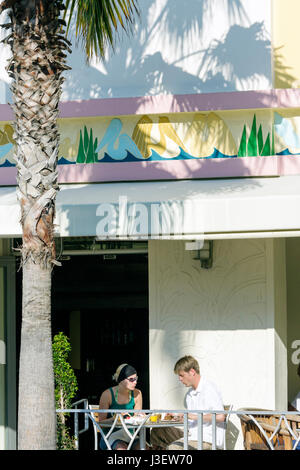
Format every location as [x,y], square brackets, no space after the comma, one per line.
[36,65]
[37,420]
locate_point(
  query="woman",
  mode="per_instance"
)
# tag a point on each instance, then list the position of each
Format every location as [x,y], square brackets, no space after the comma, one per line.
[124,395]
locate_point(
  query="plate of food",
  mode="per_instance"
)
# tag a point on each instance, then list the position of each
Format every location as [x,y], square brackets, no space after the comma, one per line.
[137,419]
[128,419]
[171,418]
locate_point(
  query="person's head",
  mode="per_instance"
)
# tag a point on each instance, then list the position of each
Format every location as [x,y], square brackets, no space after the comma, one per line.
[188,371]
[126,376]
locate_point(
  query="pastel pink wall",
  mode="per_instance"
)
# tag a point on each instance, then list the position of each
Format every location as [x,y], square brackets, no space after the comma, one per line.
[183,169]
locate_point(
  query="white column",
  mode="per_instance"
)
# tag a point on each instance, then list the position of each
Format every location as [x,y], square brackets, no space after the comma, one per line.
[277,298]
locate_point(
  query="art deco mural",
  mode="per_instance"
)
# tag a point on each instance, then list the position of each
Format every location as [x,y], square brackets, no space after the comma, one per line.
[181,136]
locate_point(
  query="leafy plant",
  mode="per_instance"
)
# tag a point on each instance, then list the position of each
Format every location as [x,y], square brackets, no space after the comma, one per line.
[255,145]
[87,147]
[65,388]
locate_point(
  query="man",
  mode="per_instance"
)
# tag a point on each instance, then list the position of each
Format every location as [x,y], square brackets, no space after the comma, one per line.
[203,395]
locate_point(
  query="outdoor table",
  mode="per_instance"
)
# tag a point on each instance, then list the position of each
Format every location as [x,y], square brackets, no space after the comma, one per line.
[143,426]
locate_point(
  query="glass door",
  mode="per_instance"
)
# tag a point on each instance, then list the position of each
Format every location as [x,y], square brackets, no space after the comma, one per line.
[7,354]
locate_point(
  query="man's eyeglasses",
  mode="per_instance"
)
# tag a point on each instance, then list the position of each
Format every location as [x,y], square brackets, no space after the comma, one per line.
[133,379]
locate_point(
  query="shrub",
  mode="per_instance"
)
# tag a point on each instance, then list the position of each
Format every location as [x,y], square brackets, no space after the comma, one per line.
[65,389]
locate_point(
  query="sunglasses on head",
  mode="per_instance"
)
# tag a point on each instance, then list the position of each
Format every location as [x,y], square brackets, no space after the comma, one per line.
[133,379]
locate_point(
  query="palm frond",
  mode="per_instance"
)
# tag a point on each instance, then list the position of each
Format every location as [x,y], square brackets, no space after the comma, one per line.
[97,21]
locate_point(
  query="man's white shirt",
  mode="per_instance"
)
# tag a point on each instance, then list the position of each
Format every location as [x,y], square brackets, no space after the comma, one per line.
[205,397]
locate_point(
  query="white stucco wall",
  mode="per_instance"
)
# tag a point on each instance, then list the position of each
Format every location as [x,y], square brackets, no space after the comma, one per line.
[225,317]
[182,47]
[177,47]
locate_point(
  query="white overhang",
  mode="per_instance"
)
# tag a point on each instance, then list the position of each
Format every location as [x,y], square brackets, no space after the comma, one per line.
[218,208]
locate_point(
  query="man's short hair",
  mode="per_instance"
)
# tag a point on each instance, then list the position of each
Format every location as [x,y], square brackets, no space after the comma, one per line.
[186,363]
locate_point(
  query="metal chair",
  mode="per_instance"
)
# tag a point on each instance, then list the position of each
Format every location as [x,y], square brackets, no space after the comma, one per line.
[265,431]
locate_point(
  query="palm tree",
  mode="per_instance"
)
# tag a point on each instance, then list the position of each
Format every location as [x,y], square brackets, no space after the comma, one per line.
[39,45]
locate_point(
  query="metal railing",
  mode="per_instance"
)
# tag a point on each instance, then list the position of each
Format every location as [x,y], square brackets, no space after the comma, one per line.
[87,418]
[268,433]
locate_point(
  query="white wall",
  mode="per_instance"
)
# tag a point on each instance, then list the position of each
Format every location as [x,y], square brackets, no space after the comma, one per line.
[182,47]
[178,47]
[224,316]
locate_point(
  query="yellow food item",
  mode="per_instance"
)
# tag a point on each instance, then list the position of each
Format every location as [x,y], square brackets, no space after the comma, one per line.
[153,419]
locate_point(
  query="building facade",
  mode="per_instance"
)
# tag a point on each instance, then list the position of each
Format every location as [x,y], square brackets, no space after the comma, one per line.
[190,131]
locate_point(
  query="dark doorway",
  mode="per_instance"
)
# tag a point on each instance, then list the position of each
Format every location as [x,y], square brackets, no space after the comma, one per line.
[101,304]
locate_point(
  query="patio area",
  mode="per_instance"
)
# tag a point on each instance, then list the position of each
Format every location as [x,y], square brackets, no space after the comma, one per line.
[259,429]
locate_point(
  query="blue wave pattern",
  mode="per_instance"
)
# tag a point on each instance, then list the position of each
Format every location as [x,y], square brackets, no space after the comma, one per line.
[7,164]
[154,157]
